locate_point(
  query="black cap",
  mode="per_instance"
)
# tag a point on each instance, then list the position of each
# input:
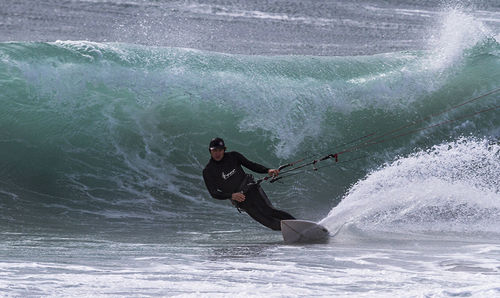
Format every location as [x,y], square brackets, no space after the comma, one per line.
[216,143]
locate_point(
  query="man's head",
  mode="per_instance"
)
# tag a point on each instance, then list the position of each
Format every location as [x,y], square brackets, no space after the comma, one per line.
[217,148]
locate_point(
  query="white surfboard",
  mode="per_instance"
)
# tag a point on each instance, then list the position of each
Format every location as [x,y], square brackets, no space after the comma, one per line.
[303,231]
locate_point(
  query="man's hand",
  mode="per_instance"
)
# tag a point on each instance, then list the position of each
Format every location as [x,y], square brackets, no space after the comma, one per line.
[238,197]
[273,172]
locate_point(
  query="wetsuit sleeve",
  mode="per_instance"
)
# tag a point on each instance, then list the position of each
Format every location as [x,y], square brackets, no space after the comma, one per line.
[212,188]
[250,164]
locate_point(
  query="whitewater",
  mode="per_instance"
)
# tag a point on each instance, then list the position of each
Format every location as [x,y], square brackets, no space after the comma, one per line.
[104,134]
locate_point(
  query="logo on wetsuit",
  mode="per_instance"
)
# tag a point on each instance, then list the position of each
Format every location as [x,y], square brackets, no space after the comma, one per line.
[226,176]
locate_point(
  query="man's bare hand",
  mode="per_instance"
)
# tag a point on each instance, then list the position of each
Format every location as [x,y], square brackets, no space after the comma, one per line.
[273,172]
[238,197]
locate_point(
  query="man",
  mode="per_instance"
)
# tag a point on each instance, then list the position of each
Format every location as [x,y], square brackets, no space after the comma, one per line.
[225,179]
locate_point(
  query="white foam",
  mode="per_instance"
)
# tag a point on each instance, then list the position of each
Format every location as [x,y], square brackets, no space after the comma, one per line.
[452,187]
[225,11]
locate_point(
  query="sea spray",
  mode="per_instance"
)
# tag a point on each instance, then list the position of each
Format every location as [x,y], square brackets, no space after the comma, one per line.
[452,187]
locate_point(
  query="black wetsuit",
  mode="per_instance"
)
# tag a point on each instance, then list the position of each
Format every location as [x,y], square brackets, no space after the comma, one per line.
[225,177]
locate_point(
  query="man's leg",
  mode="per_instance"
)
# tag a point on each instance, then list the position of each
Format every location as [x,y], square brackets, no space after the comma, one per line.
[258,206]
[279,214]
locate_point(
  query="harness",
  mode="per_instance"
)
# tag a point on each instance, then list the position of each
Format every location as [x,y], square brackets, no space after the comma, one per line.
[246,184]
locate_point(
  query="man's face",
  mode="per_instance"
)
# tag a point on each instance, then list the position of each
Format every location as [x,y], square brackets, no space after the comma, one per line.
[217,153]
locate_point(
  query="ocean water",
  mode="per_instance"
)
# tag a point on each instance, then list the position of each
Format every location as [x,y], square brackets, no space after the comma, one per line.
[107,109]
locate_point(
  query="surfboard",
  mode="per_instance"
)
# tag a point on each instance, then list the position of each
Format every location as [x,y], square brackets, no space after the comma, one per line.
[303,231]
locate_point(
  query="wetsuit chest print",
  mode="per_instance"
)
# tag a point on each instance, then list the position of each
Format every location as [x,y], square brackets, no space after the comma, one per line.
[226,176]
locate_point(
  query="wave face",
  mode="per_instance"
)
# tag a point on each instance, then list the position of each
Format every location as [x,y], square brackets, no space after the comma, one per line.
[120,131]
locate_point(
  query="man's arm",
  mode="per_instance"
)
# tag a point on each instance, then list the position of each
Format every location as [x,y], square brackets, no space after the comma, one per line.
[258,168]
[212,188]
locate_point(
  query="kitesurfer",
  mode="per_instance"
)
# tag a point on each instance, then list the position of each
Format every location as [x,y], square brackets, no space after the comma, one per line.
[225,179]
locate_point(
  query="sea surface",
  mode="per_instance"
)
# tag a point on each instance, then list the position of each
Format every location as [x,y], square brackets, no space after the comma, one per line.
[107,109]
